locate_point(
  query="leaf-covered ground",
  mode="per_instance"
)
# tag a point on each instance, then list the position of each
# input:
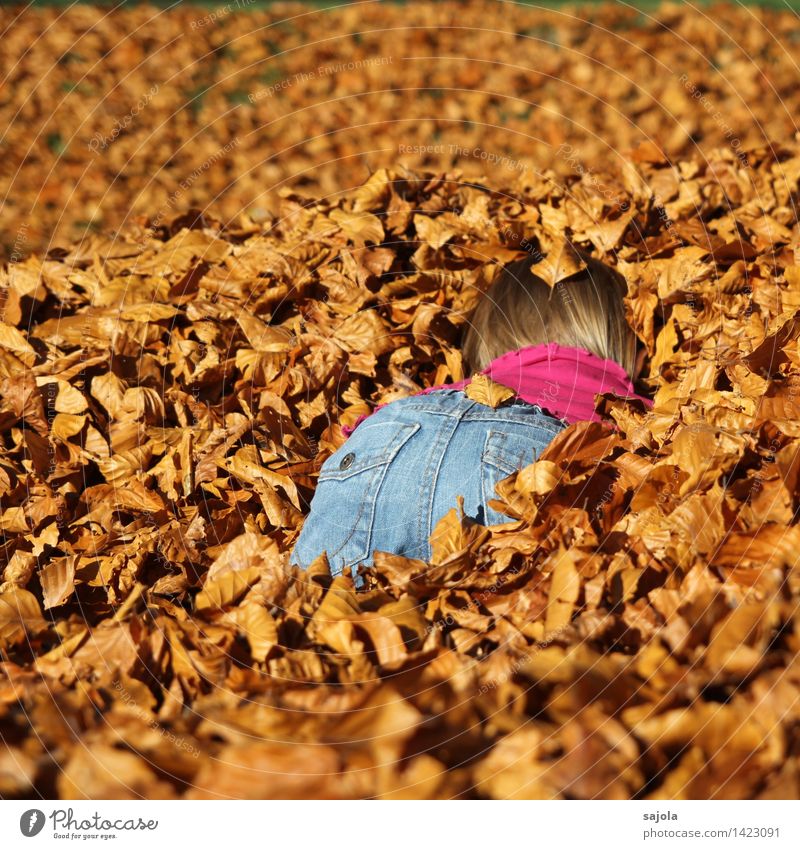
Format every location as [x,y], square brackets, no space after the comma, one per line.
[108,115]
[169,394]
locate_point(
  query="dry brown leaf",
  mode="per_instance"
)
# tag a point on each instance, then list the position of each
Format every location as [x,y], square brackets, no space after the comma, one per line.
[486,391]
[565,587]
[226,590]
[560,263]
[58,580]
[20,615]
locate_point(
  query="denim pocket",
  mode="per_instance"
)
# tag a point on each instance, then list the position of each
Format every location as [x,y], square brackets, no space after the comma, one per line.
[503,454]
[343,508]
[372,446]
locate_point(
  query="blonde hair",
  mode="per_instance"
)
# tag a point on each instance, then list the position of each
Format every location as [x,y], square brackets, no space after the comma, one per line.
[586,310]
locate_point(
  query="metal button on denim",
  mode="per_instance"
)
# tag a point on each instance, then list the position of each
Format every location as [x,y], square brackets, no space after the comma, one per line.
[347,461]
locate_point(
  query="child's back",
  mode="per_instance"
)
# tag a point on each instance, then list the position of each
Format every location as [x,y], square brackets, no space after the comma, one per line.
[404,467]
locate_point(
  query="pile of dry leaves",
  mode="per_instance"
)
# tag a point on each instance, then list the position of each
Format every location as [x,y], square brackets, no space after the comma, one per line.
[108,113]
[169,394]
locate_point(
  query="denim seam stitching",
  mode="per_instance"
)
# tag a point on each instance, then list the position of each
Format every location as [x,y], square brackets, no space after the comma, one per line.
[353,527]
[486,461]
[424,532]
[414,428]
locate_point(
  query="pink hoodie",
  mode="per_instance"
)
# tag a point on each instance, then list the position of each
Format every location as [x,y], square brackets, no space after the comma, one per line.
[562,381]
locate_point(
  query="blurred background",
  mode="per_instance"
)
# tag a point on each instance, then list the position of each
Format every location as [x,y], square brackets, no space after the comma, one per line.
[114,113]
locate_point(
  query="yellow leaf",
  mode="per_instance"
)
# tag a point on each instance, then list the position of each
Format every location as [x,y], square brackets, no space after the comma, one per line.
[259,628]
[109,390]
[19,614]
[244,552]
[560,263]
[360,227]
[539,478]
[364,331]
[58,580]
[67,424]
[485,391]
[226,590]
[339,603]
[123,465]
[149,312]
[65,397]
[372,194]
[731,647]
[135,495]
[407,615]
[565,586]
[432,231]
[262,337]
[385,636]
[12,340]
[142,402]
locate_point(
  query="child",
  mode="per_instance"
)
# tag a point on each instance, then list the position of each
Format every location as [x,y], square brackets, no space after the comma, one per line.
[403,466]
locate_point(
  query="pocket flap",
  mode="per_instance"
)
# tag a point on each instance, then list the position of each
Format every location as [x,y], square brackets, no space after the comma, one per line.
[371,445]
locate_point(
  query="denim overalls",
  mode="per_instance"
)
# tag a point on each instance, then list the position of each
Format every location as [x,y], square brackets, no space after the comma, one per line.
[401,470]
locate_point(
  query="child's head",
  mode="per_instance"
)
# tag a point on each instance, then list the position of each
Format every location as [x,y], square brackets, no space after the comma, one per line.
[584,311]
